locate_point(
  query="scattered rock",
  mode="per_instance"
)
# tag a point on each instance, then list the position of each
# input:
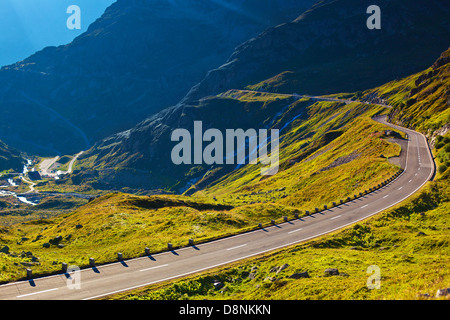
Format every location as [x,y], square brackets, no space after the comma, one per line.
[26,254]
[332,272]
[46,245]
[299,275]
[423,295]
[78,226]
[55,240]
[421,234]
[279,269]
[270,279]
[284,266]
[252,276]
[442,292]
[5,249]
[60,245]
[218,285]
[38,237]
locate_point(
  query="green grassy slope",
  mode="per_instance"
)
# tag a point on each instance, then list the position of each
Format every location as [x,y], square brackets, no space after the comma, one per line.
[420,101]
[409,244]
[127,223]
[318,150]
[329,151]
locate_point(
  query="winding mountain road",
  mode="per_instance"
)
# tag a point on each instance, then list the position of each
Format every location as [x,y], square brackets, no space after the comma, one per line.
[122,276]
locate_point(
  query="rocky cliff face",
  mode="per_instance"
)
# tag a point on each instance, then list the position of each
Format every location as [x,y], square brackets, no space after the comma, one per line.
[138,58]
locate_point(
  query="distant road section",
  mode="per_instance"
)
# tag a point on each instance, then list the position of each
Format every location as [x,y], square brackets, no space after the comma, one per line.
[70,169]
[45,166]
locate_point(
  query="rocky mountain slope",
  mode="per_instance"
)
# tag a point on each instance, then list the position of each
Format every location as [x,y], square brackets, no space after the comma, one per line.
[329,49]
[138,58]
[344,56]
[10,158]
[421,101]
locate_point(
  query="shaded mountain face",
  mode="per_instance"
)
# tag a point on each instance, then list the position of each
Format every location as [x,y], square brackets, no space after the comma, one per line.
[420,101]
[330,46]
[330,49]
[10,158]
[138,58]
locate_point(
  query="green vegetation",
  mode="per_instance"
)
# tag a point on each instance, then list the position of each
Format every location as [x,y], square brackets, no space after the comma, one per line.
[410,244]
[443,153]
[318,150]
[12,211]
[421,100]
[329,151]
[126,223]
[114,223]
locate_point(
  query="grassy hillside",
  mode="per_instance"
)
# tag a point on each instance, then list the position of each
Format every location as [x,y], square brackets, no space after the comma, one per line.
[410,245]
[318,149]
[128,223]
[328,151]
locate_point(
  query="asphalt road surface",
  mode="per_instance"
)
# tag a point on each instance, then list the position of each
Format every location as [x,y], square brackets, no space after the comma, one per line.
[118,277]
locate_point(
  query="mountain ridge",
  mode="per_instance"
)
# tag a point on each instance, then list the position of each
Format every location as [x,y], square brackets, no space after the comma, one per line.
[138,58]
[318,47]
[140,157]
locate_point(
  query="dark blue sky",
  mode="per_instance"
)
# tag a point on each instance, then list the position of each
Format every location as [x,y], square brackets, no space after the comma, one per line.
[27,26]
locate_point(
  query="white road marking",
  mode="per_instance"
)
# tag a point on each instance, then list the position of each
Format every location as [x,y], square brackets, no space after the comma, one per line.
[30,294]
[157,267]
[243,245]
[336,217]
[295,231]
[400,188]
[385,196]
[364,206]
